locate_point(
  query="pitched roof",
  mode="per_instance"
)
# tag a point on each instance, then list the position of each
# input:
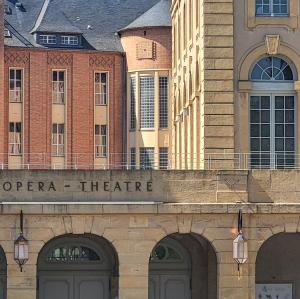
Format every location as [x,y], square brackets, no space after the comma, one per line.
[157,16]
[97,20]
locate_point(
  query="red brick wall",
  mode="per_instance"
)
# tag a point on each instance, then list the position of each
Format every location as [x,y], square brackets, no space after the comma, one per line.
[37,119]
[161,37]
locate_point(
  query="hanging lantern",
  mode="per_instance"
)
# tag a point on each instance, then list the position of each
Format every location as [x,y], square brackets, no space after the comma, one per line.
[240,246]
[21,247]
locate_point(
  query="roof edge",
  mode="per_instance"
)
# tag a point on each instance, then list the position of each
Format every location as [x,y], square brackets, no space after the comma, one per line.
[41,16]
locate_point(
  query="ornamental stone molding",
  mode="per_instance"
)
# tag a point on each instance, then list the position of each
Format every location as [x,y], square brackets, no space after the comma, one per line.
[59,59]
[101,61]
[16,58]
[272,44]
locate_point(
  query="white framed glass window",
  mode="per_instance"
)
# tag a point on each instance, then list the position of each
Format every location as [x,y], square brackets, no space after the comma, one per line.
[15,85]
[147,102]
[101,141]
[58,139]
[70,40]
[146,157]
[272,114]
[15,138]
[47,39]
[163,102]
[132,103]
[272,7]
[58,87]
[163,158]
[101,88]
[132,158]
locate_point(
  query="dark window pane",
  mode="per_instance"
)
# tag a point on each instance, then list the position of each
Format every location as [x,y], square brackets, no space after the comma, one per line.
[279,130]
[265,102]
[265,144]
[256,73]
[254,116]
[254,130]
[289,102]
[279,116]
[289,116]
[289,131]
[279,102]
[255,144]
[288,74]
[61,76]
[265,130]
[254,103]
[289,144]
[265,116]
[279,144]
[54,75]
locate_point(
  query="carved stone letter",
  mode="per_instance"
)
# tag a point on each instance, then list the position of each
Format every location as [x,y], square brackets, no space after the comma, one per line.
[272,44]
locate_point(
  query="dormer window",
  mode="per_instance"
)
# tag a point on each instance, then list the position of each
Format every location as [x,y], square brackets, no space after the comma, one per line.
[47,39]
[69,40]
[7,33]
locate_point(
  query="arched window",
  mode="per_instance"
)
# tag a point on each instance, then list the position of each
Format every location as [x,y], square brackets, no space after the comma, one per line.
[272,68]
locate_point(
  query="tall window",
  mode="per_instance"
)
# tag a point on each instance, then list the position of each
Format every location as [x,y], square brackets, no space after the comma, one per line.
[15,138]
[101,90]
[272,116]
[147,157]
[272,7]
[133,158]
[132,104]
[58,87]
[147,102]
[163,158]
[58,139]
[100,141]
[15,85]
[163,102]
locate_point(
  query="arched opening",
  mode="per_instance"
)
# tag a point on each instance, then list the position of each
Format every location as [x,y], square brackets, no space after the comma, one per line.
[3,274]
[183,266]
[78,267]
[272,113]
[278,267]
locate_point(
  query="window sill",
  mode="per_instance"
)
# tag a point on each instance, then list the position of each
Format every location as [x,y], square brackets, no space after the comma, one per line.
[15,155]
[100,157]
[15,102]
[101,105]
[60,104]
[278,21]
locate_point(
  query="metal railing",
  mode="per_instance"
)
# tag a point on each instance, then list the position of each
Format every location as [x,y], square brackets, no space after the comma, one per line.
[212,161]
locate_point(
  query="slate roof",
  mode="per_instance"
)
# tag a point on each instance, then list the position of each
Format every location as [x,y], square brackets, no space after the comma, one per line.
[157,16]
[97,20]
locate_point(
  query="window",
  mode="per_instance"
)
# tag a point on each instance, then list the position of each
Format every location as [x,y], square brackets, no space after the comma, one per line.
[163,158]
[15,138]
[147,157]
[100,141]
[163,102]
[101,92]
[47,39]
[58,140]
[272,69]
[147,102]
[15,85]
[58,87]
[7,33]
[70,40]
[132,158]
[132,104]
[272,7]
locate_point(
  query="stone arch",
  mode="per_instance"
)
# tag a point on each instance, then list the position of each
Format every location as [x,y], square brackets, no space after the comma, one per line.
[258,52]
[278,261]
[185,262]
[65,258]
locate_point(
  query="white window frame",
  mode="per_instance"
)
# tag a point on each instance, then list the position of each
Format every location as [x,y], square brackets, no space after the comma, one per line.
[163,101]
[13,92]
[272,14]
[59,147]
[147,122]
[56,94]
[101,98]
[149,154]
[15,146]
[47,39]
[101,146]
[274,89]
[70,40]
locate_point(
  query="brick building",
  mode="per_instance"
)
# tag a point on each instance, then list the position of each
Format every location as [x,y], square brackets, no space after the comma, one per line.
[65,80]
